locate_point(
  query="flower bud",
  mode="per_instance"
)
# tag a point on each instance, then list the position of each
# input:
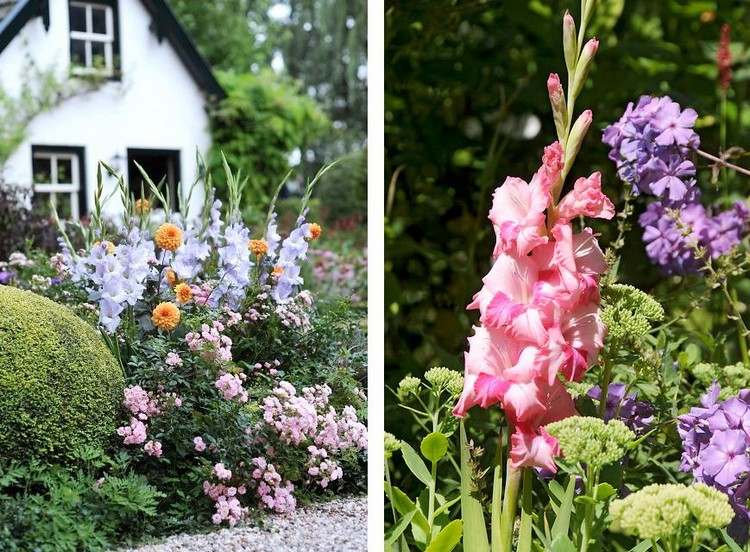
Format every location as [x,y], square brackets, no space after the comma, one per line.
[570,42]
[577,134]
[559,109]
[582,67]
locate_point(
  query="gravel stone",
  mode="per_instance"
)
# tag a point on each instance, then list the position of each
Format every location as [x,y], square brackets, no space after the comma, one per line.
[336,526]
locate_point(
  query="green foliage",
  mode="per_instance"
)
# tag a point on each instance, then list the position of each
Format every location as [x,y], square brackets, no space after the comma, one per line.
[59,385]
[662,511]
[591,441]
[51,508]
[260,122]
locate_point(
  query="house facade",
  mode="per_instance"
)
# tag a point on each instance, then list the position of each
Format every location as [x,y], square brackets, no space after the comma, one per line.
[148,105]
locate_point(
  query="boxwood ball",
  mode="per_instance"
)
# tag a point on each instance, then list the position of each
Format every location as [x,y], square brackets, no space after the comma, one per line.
[60,387]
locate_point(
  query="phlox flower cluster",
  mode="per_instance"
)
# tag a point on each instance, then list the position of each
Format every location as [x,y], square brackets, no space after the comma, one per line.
[651,146]
[139,402]
[275,494]
[321,469]
[134,433]
[294,312]
[116,277]
[539,307]
[211,343]
[231,388]
[715,443]
[340,432]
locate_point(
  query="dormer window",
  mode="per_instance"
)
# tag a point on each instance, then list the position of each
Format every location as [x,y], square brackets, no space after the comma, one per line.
[93,37]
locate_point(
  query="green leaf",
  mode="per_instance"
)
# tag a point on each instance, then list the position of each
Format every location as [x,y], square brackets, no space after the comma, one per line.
[604,491]
[416,464]
[562,544]
[585,500]
[420,528]
[434,446]
[475,532]
[497,507]
[447,539]
[447,505]
[562,521]
[402,524]
[642,546]
[730,541]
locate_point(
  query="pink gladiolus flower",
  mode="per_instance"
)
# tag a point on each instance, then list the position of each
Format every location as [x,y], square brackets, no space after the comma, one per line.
[554,88]
[539,308]
[586,199]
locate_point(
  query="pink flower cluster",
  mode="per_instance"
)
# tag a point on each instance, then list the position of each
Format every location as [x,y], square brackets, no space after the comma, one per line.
[293,417]
[211,343]
[133,434]
[173,360]
[341,432]
[539,307]
[153,448]
[231,388]
[140,403]
[321,469]
[274,493]
[228,506]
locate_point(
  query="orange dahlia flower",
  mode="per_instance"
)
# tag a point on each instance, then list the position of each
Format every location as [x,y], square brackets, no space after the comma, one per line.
[258,247]
[166,316]
[168,237]
[183,293]
[315,231]
[277,271]
[171,277]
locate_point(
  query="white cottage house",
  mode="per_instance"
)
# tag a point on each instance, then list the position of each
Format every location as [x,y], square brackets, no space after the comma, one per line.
[149,105]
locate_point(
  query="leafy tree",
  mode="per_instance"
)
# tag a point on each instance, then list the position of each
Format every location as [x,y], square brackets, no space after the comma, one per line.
[263,118]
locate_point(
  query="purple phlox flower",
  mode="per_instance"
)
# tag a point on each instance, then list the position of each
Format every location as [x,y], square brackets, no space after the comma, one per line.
[670,178]
[6,276]
[676,126]
[725,457]
[637,415]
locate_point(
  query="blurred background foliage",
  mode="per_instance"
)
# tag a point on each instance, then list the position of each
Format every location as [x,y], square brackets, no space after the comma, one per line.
[466,105]
[296,76]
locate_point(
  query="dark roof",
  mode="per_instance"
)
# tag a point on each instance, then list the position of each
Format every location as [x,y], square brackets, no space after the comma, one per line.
[14,14]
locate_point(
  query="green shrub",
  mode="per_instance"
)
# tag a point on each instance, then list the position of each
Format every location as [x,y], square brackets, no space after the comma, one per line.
[60,387]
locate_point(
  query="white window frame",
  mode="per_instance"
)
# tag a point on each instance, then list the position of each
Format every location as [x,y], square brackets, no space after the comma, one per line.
[88,37]
[54,187]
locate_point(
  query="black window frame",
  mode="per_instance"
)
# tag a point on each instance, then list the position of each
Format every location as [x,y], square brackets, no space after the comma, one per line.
[116,49]
[80,153]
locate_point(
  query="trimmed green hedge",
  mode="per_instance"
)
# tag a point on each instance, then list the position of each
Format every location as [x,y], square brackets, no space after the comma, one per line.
[60,387]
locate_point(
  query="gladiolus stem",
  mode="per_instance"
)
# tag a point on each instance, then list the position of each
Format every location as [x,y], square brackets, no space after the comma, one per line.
[510,506]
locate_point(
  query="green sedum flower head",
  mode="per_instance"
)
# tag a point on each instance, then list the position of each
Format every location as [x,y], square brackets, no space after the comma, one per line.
[731,378]
[390,445]
[591,441]
[659,511]
[629,312]
[442,378]
[407,386]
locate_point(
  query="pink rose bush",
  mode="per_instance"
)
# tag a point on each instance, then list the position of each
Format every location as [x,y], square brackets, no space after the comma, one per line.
[538,307]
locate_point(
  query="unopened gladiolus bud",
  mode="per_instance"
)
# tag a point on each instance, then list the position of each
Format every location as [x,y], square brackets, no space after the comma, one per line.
[570,42]
[583,65]
[559,109]
[577,134]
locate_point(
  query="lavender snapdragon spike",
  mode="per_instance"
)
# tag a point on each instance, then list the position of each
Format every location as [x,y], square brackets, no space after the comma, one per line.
[293,249]
[715,443]
[651,146]
[234,266]
[118,279]
[637,415]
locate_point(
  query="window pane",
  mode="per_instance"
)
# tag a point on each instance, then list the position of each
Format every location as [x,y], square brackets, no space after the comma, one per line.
[42,171]
[78,53]
[40,203]
[64,205]
[77,18]
[97,55]
[99,20]
[64,171]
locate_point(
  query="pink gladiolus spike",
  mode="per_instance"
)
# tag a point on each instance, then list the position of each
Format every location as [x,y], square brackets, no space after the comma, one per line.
[534,450]
[586,199]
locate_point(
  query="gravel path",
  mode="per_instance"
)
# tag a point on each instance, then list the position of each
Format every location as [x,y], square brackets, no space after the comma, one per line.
[336,526]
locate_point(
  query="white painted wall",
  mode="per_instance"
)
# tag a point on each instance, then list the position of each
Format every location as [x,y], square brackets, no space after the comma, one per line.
[156,105]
